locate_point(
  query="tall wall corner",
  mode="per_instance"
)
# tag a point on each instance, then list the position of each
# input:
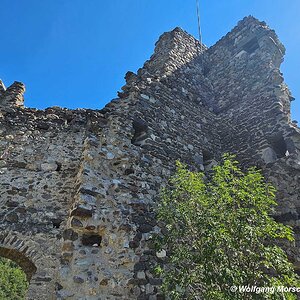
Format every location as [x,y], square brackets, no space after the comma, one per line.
[173,50]
[13,96]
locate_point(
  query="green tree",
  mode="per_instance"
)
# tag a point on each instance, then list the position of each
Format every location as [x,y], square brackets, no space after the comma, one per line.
[220,235]
[13,282]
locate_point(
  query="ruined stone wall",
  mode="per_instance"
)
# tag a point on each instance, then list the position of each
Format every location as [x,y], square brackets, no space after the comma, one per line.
[78,187]
[40,154]
[250,93]
[253,104]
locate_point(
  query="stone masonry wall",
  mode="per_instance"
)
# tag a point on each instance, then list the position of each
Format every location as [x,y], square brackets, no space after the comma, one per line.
[78,187]
[254,103]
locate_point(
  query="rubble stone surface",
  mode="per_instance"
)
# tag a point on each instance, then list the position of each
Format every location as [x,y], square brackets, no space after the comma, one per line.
[78,187]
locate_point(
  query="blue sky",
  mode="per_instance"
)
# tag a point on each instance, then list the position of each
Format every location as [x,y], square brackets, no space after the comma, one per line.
[75,53]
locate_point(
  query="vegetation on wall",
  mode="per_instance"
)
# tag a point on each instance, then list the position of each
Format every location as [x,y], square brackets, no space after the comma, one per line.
[220,237]
[13,282]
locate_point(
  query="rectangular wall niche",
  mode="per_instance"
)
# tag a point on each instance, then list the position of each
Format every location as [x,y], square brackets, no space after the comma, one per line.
[92,240]
[251,46]
[140,132]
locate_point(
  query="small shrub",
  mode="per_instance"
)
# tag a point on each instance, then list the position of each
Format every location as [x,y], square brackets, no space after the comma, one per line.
[13,282]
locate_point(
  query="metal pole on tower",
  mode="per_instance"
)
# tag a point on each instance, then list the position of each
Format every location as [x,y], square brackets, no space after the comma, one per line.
[199,23]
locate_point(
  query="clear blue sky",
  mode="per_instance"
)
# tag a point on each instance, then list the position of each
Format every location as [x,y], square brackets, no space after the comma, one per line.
[75,53]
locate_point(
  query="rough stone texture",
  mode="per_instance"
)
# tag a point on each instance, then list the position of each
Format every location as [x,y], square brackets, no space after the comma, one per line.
[78,186]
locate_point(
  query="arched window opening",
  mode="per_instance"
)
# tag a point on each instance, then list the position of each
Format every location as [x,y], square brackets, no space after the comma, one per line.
[278,144]
[20,259]
[14,281]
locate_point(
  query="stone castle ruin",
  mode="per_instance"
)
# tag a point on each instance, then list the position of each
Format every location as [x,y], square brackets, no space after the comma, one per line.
[78,186]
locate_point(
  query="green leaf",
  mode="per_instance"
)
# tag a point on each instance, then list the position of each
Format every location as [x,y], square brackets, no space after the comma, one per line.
[220,233]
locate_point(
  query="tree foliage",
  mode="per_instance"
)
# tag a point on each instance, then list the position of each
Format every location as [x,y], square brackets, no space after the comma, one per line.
[220,234]
[13,282]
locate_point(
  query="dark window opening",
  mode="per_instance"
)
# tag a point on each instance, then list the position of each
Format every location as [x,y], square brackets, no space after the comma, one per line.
[93,240]
[58,286]
[58,166]
[129,171]
[56,223]
[251,46]
[207,157]
[205,70]
[208,160]
[140,132]
[278,144]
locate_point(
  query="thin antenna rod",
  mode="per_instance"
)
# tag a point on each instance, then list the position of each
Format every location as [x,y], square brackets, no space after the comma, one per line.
[199,23]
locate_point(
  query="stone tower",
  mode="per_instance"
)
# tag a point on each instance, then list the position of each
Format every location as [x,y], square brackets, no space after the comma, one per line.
[78,186]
